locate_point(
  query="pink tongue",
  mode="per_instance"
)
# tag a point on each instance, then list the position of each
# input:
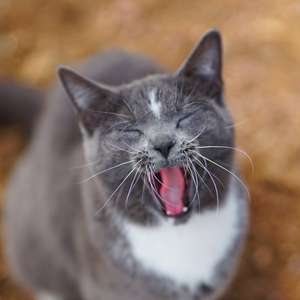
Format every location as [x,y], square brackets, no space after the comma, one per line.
[172,190]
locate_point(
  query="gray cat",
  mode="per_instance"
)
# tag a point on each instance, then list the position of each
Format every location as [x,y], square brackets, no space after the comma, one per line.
[141,200]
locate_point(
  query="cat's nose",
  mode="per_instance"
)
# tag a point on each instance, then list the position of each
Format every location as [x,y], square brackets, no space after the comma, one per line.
[164,148]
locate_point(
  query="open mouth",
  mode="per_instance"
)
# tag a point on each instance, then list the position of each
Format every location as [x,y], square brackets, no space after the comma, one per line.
[172,185]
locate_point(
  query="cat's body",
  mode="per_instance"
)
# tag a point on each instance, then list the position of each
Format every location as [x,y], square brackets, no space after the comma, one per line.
[58,248]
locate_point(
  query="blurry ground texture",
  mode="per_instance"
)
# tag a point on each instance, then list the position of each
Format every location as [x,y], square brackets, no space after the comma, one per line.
[262,74]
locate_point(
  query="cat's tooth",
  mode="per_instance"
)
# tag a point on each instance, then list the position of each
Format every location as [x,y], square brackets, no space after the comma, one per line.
[168,213]
[185,209]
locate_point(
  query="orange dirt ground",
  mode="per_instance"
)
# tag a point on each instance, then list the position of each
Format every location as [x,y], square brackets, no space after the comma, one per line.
[262,73]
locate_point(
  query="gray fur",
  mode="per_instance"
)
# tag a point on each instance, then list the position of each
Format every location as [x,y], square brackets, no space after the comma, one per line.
[61,235]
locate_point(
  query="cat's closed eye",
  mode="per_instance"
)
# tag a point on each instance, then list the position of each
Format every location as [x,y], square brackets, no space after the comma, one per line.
[183,121]
[132,132]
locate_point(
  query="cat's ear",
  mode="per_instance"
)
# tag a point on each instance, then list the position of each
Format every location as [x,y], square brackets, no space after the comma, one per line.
[88,97]
[84,93]
[206,59]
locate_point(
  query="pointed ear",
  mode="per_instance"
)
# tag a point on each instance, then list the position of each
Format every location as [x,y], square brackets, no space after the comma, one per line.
[85,94]
[88,97]
[206,58]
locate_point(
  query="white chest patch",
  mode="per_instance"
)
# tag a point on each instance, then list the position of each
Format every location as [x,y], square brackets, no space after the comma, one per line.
[187,253]
[154,104]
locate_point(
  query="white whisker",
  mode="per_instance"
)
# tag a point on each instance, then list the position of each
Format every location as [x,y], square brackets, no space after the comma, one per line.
[213,182]
[153,190]
[232,148]
[143,188]
[194,138]
[106,170]
[195,180]
[92,163]
[118,187]
[132,185]
[159,179]
[121,149]
[199,163]
[237,124]
[133,149]
[231,173]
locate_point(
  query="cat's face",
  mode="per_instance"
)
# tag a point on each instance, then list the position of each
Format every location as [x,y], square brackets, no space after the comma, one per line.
[160,145]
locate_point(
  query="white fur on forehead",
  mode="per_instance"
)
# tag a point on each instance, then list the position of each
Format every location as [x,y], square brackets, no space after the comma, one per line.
[154,103]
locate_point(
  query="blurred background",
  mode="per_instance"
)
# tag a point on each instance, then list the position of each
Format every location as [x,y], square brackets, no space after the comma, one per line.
[262,74]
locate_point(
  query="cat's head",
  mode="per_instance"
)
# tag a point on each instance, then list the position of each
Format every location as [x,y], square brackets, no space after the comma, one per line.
[159,145]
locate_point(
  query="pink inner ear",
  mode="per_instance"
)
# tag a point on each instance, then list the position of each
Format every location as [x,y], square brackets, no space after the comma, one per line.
[172,190]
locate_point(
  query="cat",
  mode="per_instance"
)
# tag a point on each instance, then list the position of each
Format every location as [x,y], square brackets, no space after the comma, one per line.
[136,195]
